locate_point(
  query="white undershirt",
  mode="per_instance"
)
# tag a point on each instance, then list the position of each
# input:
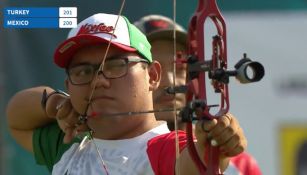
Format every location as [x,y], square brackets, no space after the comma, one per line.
[126,156]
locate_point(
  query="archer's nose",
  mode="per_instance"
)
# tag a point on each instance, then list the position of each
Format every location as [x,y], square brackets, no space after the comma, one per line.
[100,81]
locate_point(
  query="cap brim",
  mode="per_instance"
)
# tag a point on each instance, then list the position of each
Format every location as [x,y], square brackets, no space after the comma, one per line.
[65,51]
[168,34]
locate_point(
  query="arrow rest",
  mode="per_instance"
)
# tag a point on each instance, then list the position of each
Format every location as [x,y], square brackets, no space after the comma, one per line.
[187,114]
[190,112]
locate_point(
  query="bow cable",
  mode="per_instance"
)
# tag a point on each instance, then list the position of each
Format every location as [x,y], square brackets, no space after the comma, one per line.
[175,117]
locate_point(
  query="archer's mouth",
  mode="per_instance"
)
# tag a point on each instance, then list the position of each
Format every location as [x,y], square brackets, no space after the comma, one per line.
[102,97]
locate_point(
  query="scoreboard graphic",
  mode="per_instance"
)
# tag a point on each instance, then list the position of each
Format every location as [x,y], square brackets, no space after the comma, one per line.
[36,17]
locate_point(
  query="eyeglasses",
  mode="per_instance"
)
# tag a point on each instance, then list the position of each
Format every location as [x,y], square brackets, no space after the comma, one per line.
[113,68]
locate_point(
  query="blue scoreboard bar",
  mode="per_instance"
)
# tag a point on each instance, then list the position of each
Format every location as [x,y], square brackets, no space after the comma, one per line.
[31,23]
[40,17]
[31,12]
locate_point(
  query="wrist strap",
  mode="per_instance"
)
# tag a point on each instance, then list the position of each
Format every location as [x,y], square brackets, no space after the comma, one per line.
[45,96]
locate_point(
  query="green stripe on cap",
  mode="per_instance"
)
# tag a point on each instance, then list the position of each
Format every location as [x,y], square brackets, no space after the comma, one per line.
[139,41]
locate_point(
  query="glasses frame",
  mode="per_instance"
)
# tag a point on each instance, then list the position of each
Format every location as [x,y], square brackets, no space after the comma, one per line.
[96,67]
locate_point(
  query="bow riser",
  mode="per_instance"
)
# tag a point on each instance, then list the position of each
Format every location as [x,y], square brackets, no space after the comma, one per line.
[206,10]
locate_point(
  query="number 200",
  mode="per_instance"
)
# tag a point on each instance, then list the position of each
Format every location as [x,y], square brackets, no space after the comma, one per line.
[67,23]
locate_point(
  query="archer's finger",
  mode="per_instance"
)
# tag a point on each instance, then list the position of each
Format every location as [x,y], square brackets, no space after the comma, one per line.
[52,103]
[203,128]
[236,150]
[72,118]
[64,109]
[226,135]
[207,125]
[223,123]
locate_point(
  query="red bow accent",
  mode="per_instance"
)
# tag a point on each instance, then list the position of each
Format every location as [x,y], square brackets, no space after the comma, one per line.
[216,70]
[198,67]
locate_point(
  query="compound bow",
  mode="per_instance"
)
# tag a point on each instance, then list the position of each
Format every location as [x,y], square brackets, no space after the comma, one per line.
[216,69]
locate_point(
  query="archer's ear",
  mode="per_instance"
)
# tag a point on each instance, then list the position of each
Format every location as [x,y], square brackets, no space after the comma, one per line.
[155,73]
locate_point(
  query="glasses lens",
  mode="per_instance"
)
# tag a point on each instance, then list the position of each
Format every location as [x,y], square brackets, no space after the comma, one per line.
[115,68]
[81,74]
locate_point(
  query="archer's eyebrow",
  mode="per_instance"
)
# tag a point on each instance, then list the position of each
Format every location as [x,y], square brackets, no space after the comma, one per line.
[117,56]
[78,64]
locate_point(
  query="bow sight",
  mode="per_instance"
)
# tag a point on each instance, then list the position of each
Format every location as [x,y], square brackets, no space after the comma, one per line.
[246,70]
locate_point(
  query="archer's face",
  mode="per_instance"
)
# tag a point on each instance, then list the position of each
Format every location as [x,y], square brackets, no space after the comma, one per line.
[111,96]
[162,51]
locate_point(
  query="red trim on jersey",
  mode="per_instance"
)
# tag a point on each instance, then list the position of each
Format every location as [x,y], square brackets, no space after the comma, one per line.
[246,164]
[162,154]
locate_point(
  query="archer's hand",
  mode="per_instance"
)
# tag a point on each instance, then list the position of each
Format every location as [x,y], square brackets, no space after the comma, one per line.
[224,132]
[60,107]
